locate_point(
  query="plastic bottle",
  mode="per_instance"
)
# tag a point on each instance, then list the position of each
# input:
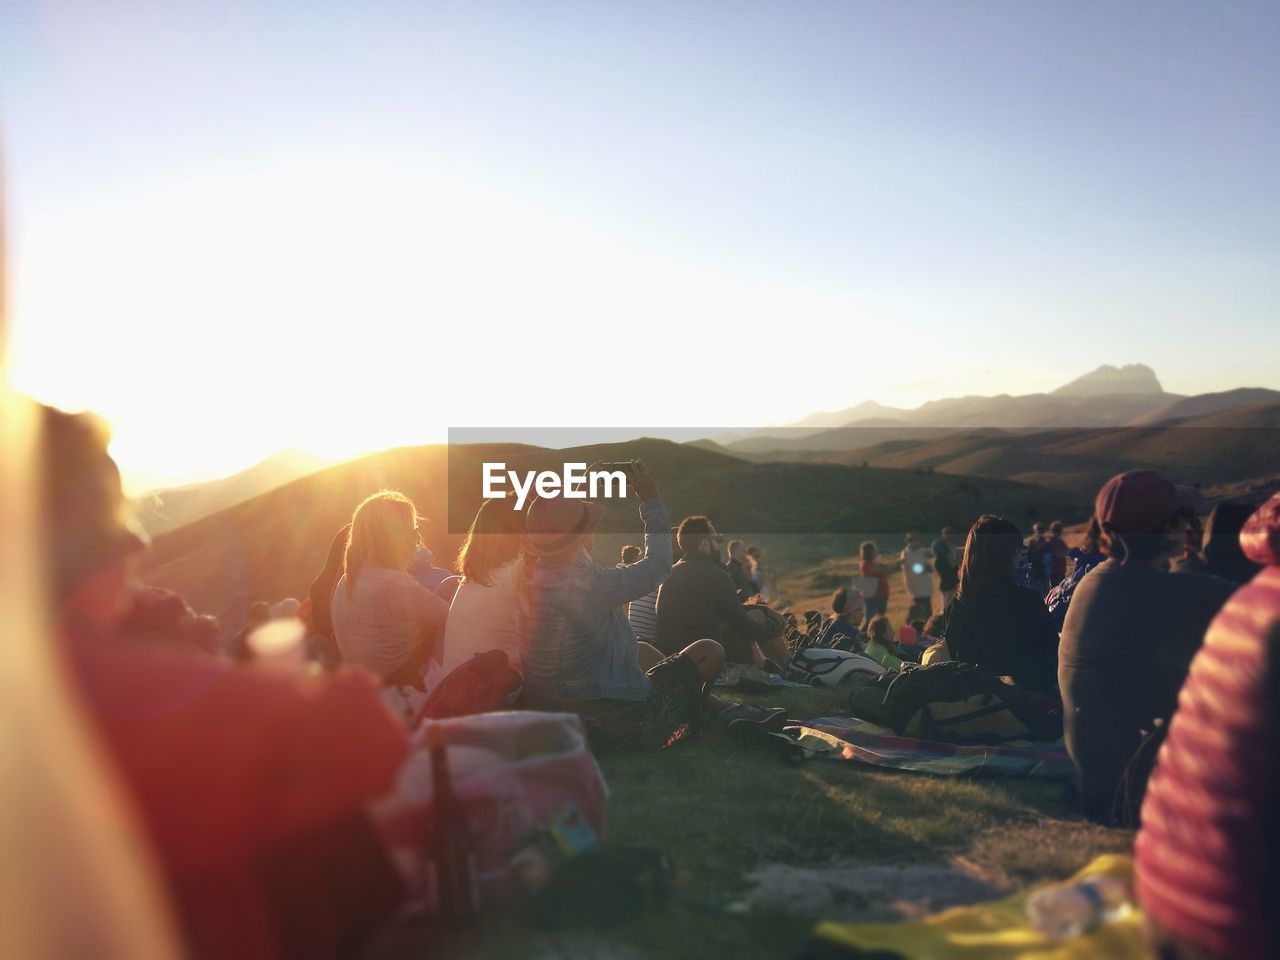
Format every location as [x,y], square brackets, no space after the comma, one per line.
[1068,910]
[452,855]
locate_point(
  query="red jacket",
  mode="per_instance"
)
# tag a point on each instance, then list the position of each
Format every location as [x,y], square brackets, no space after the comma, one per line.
[1206,853]
[251,784]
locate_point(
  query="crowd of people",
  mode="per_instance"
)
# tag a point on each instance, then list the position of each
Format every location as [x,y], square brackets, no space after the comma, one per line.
[289,837]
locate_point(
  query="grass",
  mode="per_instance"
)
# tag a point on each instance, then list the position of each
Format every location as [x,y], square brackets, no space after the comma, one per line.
[719,809]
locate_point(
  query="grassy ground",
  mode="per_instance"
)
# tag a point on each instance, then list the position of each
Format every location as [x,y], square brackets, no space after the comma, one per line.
[720,809]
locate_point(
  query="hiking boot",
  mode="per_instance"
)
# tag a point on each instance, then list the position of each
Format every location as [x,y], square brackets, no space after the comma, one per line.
[746,719]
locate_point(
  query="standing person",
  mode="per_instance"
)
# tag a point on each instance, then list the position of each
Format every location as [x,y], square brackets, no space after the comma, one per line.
[999,627]
[737,567]
[699,600]
[384,619]
[917,577]
[1207,859]
[579,653]
[1056,554]
[482,615]
[946,565]
[1130,633]
[871,568]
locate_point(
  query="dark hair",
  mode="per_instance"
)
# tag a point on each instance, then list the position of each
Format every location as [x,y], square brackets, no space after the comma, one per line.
[989,553]
[838,600]
[692,532]
[754,551]
[492,541]
[1055,527]
[935,626]
[1141,547]
[867,550]
[918,627]
[881,630]
[630,553]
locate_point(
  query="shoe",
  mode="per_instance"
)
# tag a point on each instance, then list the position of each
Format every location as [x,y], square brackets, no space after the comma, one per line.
[748,720]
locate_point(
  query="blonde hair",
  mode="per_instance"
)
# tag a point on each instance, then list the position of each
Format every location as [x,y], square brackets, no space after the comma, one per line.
[383,534]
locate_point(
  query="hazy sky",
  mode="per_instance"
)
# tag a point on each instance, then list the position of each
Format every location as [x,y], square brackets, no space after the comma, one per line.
[239,226]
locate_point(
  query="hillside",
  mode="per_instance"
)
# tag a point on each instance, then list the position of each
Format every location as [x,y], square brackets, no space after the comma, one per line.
[272,545]
[162,510]
[1230,445]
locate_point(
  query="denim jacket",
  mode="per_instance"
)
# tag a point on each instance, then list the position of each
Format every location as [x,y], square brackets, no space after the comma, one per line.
[576,641]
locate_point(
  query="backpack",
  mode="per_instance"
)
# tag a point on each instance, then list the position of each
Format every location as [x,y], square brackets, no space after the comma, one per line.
[828,667]
[482,684]
[958,703]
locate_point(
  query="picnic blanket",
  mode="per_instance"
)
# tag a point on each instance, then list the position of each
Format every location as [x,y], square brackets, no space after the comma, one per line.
[848,738]
[994,931]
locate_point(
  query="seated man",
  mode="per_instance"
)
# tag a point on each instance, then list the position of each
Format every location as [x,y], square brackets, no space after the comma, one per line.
[1130,633]
[699,601]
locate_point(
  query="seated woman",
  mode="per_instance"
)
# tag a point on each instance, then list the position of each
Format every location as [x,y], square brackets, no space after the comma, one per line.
[578,652]
[323,648]
[999,627]
[482,616]
[881,646]
[383,619]
[844,628]
[266,797]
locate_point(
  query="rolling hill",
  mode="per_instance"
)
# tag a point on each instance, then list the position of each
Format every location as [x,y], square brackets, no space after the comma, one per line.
[273,544]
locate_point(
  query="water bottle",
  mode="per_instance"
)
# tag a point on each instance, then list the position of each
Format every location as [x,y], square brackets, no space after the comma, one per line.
[1068,910]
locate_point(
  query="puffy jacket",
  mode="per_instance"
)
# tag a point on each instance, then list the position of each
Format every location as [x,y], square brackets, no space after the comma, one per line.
[1207,867]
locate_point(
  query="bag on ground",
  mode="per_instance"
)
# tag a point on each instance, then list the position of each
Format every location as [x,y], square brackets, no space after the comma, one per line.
[482,684]
[829,667]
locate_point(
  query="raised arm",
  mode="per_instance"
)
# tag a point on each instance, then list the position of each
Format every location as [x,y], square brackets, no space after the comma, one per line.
[615,586]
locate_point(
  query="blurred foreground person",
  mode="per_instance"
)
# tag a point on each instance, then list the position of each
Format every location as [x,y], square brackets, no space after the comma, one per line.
[1129,636]
[384,619]
[1208,853]
[267,796]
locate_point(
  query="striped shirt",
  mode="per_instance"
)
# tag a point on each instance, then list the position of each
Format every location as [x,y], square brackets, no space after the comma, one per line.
[643,614]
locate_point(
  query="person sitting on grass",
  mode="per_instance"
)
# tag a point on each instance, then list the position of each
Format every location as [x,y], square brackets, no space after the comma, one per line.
[699,600]
[1207,857]
[642,613]
[384,619]
[844,628]
[880,643]
[322,647]
[578,651]
[994,624]
[482,616]
[1221,555]
[1129,636]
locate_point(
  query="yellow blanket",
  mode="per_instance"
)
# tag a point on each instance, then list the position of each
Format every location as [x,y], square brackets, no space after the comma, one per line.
[999,930]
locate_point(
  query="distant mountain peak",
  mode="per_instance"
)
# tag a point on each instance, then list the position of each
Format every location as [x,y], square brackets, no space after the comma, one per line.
[1108,381]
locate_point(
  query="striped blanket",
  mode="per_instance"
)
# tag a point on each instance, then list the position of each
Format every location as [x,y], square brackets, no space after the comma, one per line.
[848,738]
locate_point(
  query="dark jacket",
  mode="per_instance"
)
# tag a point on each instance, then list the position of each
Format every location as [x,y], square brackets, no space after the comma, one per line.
[1005,631]
[1127,643]
[698,601]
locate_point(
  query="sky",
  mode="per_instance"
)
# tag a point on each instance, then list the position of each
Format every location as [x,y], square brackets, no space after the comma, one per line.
[235,227]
